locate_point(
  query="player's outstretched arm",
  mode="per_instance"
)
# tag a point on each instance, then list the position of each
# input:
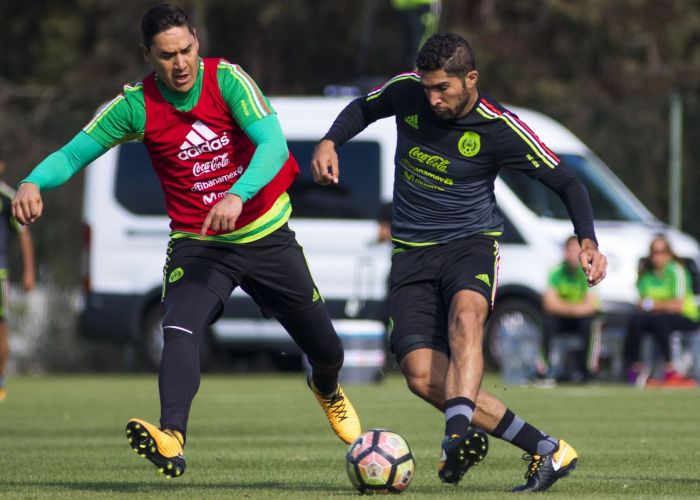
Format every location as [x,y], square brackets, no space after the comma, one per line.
[594,263]
[324,163]
[27,205]
[55,170]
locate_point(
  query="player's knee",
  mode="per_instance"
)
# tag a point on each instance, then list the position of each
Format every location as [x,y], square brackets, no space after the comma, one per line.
[188,311]
[469,324]
[421,383]
[180,325]
[418,385]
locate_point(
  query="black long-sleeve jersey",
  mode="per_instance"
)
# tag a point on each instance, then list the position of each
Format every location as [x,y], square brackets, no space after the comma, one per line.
[445,170]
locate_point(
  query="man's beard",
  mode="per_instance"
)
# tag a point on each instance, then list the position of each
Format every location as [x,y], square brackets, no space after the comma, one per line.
[452,114]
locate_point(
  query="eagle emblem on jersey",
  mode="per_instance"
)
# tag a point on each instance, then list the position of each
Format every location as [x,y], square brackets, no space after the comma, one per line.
[469,144]
[176,274]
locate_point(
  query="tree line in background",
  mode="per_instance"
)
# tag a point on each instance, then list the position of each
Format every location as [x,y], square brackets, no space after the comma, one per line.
[606,69]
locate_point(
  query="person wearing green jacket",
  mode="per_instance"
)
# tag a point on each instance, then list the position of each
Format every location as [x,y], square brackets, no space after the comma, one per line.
[666,304]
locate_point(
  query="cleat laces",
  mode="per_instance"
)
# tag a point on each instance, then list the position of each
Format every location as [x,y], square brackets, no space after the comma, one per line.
[536,462]
[336,405]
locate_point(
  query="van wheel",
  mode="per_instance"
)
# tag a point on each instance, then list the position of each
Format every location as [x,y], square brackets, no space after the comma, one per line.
[511,313]
[151,342]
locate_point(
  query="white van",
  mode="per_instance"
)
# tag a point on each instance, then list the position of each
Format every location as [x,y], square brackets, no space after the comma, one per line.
[126,233]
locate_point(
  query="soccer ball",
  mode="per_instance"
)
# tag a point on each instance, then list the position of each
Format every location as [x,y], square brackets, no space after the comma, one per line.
[380,461]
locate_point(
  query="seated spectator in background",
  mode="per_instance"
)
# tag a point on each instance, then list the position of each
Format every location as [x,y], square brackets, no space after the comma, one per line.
[570,306]
[666,304]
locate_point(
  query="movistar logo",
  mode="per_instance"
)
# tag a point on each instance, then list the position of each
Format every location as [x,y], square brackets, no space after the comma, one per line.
[201,139]
[412,121]
[316,297]
[177,273]
[484,278]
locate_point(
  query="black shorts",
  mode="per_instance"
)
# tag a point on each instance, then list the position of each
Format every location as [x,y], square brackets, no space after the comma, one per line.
[272,270]
[423,282]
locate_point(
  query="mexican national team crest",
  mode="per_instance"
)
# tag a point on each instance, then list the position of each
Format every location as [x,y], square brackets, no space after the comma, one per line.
[469,144]
[176,274]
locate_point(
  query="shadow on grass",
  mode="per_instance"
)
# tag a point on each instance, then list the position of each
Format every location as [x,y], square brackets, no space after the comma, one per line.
[163,486]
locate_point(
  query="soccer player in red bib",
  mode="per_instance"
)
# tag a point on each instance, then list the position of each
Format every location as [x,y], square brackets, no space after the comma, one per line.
[224,166]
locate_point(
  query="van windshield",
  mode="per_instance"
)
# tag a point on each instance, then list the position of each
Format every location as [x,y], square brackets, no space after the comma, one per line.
[356,196]
[608,204]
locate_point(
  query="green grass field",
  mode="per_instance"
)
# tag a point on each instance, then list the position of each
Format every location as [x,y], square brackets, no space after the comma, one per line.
[265,437]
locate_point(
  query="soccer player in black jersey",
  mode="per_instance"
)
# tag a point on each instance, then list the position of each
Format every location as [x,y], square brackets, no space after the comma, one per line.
[452,139]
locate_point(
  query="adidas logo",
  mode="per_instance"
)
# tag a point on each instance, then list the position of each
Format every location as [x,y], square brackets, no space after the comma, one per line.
[412,121]
[484,278]
[201,139]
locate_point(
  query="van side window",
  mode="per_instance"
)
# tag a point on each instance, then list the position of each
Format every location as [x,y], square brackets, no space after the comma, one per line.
[137,188]
[607,204]
[538,197]
[356,196]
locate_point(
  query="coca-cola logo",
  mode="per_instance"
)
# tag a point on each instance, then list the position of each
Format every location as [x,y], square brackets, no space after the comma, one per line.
[437,162]
[216,163]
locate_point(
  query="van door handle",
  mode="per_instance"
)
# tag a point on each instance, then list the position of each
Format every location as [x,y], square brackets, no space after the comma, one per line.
[156,233]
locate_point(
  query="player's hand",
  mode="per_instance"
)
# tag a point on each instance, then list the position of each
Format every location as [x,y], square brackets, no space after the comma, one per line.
[27,204]
[594,263]
[223,215]
[324,163]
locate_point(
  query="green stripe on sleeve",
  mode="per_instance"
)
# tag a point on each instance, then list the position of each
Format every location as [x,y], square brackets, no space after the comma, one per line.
[377,93]
[123,119]
[519,134]
[243,96]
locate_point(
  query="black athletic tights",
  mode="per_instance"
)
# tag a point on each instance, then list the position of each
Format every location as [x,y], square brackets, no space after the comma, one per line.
[190,309]
[659,326]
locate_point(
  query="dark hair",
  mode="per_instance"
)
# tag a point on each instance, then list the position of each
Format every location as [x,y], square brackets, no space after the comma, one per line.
[161,18]
[645,263]
[568,241]
[447,51]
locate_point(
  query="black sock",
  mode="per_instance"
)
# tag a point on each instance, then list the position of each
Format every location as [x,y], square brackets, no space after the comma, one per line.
[515,430]
[324,383]
[458,415]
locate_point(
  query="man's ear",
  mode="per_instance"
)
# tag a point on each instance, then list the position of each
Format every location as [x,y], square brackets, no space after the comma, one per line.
[471,78]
